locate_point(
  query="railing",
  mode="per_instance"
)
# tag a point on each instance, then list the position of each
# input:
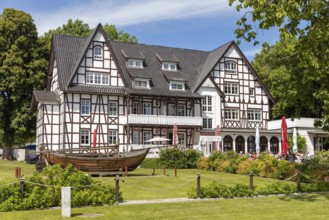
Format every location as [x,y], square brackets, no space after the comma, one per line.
[164,120]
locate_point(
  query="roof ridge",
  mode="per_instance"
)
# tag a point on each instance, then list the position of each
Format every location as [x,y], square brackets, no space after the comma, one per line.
[161,46]
[71,36]
[229,42]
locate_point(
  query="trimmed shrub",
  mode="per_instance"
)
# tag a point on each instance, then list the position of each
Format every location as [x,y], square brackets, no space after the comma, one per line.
[218,190]
[182,159]
[277,188]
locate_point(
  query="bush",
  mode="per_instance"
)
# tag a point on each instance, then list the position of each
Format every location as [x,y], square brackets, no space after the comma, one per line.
[284,170]
[218,190]
[203,163]
[316,167]
[224,166]
[43,190]
[182,159]
[216,161]
[245,167]
[277,188]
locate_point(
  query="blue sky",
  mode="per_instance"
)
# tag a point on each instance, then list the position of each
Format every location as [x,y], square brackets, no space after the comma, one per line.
[192,24]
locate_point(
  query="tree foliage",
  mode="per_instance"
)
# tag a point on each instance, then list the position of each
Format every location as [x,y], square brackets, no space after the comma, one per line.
[305,24]
[80,29]
[23,66]
[22,70]
[301,144]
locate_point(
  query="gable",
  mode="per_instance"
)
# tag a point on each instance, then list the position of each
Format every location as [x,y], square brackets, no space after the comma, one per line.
[79,63]
[232,52]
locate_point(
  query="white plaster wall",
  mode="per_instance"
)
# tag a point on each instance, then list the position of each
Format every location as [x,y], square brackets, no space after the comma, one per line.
[231,52]
[215,114]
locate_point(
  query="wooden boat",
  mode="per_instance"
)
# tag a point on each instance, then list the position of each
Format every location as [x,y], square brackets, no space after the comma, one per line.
[93,162]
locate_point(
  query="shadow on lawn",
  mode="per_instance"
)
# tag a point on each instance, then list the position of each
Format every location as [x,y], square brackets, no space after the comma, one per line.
[306,197]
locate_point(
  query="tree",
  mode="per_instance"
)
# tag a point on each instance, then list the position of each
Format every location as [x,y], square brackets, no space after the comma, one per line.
[308,23]
[276,67]
[301,144]
[80,29]
[21,71]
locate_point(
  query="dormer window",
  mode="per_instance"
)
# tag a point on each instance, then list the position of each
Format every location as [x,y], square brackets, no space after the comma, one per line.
[135,63]
[98,53]
[169,66]
[230,67]
[142,83]
[177,86]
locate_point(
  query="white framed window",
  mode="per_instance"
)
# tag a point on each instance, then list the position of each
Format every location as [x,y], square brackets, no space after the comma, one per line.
[207,123]
[181,110]
[181,139]
[97,78]
[251,92]
[254,115]
[147,108]
[207,104]
[169,66]
[177,86]
[84,137]
[113,108]
[231,114]
[98,52]
[231,88]
[134,108]
[142,83]
[147,135]
[230,67]
[112,137]
[135,137]
[135,63]
[171,109]
[85,107]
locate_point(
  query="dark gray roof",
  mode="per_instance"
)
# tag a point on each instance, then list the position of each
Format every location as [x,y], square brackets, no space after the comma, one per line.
[167,56]
[193,66]
[87,88]
[210,63]
[44,96]
[133,54]
[190,64]
[173,76]
[139,73]
[67,51]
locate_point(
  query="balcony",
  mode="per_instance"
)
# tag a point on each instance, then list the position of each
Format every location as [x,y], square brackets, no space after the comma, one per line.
[165,120]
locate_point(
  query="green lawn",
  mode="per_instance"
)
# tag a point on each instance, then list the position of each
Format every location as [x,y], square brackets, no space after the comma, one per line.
[312,206]
[141,185]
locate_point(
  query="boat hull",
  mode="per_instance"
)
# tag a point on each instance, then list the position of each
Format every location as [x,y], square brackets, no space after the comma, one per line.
[99,163]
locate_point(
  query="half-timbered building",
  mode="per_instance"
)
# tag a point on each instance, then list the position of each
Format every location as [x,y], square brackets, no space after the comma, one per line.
[128,93]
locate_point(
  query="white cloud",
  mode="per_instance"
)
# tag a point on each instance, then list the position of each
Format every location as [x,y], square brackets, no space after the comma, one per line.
[122,13]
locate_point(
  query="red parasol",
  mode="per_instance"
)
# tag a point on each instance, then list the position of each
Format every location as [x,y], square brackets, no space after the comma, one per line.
[94,137]
[175,135]
[217,133]
[284,137]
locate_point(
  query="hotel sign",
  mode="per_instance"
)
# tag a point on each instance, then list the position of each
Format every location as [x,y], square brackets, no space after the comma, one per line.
[210,138]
